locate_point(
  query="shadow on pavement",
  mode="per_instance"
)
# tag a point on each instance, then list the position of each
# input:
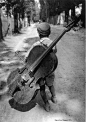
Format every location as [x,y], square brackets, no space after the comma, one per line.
[17,34]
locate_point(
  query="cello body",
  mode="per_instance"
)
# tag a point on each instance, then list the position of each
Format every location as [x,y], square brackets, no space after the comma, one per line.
[23,93]
[48,64]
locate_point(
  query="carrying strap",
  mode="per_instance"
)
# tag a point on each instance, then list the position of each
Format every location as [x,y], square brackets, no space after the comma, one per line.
[44,45]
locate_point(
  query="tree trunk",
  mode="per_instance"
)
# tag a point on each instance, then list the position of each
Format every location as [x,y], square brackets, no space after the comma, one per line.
[83,15]
[1,35]
[55,19]
[66,16]
[16,22]
[73,13]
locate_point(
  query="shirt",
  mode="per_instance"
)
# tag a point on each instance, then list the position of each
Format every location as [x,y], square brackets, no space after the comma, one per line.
[46,41]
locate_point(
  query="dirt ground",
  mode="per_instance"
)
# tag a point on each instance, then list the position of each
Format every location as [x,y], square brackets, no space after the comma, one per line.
[69,78]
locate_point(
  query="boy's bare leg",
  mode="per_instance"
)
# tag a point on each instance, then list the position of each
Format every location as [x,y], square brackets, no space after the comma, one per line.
[52,90]
[44,97]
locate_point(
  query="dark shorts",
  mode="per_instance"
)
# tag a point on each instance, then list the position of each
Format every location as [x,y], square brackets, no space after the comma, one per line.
[47,81]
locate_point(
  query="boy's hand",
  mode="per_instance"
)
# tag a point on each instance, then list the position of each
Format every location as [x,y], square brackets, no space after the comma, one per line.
[55,50]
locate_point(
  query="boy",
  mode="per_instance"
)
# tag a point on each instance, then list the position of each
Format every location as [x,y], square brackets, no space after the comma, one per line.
[44,31]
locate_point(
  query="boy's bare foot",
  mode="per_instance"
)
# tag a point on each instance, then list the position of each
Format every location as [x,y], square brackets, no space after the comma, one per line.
[54,99]
[47,107]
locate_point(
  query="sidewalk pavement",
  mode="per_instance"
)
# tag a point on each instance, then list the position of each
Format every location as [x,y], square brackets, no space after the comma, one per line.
[17,43]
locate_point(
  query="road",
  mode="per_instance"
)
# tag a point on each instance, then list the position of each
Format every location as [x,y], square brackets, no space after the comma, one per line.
[69,78]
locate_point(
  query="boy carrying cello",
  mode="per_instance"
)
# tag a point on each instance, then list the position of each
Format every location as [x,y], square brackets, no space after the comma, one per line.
[44,31]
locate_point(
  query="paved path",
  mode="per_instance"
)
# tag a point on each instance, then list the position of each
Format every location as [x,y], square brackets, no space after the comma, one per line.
[17,43]
[69,81]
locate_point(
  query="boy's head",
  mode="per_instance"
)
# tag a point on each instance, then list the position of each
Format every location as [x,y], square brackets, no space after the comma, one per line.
[44,29]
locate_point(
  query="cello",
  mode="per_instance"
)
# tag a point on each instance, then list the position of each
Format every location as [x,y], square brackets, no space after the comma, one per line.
[40,62]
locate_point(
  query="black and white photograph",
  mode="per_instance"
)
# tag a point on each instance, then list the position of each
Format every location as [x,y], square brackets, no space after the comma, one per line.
[42,60]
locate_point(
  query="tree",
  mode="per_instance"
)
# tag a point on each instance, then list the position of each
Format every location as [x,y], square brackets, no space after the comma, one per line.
[30,8]
[36,13]
[51,8]
[42,10]
[19,8]
[83,13]
[14,5]
[1,35]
